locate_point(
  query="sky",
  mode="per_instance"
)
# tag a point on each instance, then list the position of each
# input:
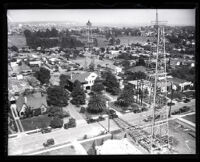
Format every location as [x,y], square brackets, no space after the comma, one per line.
[105,16]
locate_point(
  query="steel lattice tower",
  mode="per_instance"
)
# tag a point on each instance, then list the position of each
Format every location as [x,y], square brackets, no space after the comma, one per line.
[158,101]
[89,34]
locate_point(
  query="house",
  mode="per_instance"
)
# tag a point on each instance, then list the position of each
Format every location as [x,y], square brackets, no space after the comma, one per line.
[180,84]
[35,101]
[137,69]
[35,63]
[118,70]
[86,79]
[15,85]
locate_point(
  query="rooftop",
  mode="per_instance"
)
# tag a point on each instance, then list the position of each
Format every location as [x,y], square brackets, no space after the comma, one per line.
[117,147]
[137,69]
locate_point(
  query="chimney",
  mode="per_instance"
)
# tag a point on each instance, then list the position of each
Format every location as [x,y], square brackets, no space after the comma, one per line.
[71,76]
[25,100]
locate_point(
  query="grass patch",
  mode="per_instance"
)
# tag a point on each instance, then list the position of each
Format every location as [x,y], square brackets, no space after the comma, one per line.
[35,122]
[191,118]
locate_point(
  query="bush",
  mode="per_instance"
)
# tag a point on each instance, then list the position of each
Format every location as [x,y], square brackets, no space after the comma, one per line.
[101,118]
[66,126]
[56,122]
[72,123]
[82,110]
[36,112]
[65,114]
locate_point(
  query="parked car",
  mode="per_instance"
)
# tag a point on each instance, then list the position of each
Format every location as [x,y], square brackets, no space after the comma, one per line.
[170,103]
[186,100]
[46,130]
[49,142]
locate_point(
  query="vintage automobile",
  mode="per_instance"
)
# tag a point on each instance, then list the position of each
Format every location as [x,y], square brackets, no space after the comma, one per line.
[49,142]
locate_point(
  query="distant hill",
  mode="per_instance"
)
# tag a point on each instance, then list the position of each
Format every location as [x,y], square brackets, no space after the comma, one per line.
[17,40]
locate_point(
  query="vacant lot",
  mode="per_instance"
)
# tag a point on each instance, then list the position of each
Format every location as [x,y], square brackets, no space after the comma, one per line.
[186,143]
[16,40]
[40,121]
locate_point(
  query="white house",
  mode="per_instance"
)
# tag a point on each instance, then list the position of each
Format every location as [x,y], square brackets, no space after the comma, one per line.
[118,70]
[87,79]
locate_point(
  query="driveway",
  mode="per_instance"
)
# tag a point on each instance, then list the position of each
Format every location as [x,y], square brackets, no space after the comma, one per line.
[73,113]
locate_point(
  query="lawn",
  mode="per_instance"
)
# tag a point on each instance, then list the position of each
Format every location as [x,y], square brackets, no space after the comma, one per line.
[36,122]
[121,109]
[189,94]
[191,118]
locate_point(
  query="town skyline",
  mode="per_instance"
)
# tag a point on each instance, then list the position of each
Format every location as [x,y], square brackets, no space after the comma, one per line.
[100,17]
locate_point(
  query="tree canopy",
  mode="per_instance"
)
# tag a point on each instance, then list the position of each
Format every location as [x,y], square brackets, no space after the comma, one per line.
[57,96]
[111,83]
[98,86]
[64,80]
[43,75]
[97,104]
[78,94]
[126,97]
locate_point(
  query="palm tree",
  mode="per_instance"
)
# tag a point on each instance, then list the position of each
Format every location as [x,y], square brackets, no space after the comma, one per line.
[97,104]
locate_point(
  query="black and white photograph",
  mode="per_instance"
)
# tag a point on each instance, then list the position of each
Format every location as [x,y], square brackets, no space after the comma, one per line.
[101,81]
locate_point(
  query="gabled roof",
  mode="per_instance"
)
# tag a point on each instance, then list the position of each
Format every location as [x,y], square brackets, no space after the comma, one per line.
[177,80]
[80,77]
[36,100]
[19,103]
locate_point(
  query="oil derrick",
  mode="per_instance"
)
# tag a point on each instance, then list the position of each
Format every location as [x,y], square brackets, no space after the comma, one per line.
[158,103]
[89,35]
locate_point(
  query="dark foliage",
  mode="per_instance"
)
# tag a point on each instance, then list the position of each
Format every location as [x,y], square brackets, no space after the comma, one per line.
[57,96]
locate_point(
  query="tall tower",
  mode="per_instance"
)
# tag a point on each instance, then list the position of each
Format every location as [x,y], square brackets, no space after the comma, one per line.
[89,34]
[158,102]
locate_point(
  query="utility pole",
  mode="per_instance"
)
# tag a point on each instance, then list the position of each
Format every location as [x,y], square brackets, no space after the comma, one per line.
[108,116]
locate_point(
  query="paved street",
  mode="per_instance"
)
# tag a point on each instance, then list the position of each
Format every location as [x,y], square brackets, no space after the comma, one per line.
[29,143]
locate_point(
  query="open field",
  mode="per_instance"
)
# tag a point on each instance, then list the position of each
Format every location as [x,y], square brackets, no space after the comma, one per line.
[36,122]
[16,40]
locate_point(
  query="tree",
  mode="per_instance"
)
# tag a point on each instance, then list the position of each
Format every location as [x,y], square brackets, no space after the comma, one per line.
[126,96]
[14,48]
[102,49]
[111,83]
[64,80]
[78,94]
[28,112]
[98,86]
[56,122]
[57,96]
[141,62]
[43,75]
[96,104]
[118,41]
[55,112]
[91,67]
